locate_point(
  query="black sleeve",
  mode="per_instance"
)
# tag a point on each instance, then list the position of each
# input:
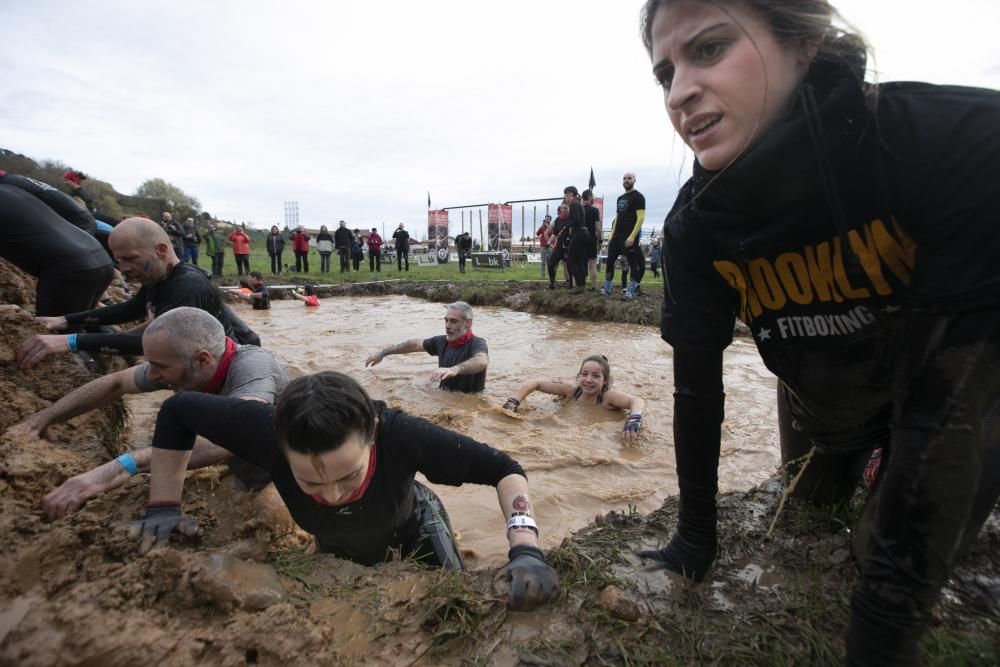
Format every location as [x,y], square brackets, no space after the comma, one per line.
[245,428]
[119,343]
[446,457]
[432,346]
[127,311]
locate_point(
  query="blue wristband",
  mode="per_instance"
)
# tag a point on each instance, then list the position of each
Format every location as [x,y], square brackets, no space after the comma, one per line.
[126,461]
[71,341]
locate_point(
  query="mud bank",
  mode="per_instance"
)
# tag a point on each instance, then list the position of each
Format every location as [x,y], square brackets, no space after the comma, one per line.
[248,591]
[524,296]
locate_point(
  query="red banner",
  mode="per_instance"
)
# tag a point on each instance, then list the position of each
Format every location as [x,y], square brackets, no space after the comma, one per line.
[437,233]
[500,217]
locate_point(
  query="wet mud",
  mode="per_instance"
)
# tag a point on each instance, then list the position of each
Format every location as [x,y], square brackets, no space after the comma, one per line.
[249,590]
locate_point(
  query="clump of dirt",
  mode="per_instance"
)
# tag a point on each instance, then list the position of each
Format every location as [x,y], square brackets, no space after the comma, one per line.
[249,590]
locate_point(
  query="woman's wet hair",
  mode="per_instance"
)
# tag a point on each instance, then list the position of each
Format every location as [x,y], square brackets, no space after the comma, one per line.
[601,361]
[317,413]
[309,290]
[792,22]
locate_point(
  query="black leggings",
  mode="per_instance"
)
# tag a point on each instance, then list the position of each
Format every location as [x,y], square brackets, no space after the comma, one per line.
[938,481]
[435,541]
[242,264]
[276,263]
[557,255]
[634,257]
[61,291]
[579,248]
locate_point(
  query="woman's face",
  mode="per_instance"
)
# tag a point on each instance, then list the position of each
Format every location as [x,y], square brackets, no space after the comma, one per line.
[332,477]
[591,378]
[274,230]
[725,78]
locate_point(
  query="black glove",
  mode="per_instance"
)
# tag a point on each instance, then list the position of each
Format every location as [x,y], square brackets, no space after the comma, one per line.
[684,557]
[512,404]
[159,522]
[532,582]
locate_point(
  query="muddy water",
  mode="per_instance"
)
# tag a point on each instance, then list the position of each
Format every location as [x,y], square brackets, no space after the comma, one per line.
[573,454]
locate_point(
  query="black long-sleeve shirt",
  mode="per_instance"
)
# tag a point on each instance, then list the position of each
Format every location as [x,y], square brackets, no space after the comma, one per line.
[184,285]
[383,518]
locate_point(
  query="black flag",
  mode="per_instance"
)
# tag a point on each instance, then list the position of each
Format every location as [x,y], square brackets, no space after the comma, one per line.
[428,199]
[593,182]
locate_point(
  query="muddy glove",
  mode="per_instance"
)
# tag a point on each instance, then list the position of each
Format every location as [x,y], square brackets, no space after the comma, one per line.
[159,522]
[633,423]
[512,404]
[684,557]
[532,582]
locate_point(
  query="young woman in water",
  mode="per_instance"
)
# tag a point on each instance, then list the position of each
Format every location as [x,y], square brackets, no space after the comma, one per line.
[593,387]
[851,226]
[344,465]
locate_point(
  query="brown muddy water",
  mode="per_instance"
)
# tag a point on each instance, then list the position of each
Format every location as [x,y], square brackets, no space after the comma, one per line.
[573,454]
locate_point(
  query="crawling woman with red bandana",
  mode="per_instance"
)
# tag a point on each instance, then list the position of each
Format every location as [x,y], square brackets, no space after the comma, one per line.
[345,466]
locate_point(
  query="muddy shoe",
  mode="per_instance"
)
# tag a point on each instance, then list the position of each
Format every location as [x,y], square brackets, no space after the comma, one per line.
[627,296]
[605,292]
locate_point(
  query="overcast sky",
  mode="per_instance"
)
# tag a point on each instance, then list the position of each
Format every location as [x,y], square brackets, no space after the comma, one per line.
[356,110]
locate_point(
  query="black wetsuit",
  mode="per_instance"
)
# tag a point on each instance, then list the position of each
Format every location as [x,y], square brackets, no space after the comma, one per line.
[71,266]
[57,200]
[395,512]
[578,247]
[449,356]
[264,302]
[628,206]
[592,218]
[184,285]
[862,255]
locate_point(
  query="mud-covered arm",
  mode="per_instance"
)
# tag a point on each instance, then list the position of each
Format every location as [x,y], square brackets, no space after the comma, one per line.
[528,387]
[939,484]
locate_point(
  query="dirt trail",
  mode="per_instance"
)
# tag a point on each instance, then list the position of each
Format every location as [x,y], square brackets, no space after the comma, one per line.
[74,592]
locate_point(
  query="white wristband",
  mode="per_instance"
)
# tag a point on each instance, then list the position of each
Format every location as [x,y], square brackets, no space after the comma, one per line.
[522,521]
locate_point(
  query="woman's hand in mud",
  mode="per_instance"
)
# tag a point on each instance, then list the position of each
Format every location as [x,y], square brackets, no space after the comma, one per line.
[374,358]
[39,347]
[630,431]
[156,526]
[70,496]
[532,581]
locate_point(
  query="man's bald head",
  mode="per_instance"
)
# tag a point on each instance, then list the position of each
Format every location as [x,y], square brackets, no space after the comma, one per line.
[139,232]
[143,250]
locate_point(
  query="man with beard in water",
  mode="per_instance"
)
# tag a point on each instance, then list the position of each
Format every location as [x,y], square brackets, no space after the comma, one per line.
[144,253]
[186,350]
[462,356]
[345,467]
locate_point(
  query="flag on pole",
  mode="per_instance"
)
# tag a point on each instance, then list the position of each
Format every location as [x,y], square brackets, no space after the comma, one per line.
[593,183]
[428,199]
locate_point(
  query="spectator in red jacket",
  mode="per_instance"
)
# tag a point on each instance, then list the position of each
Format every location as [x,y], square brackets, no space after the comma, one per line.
[300,244]
[241,248]
[374,251]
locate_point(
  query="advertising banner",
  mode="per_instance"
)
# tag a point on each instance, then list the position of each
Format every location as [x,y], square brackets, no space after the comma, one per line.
[500,218]
[437,234]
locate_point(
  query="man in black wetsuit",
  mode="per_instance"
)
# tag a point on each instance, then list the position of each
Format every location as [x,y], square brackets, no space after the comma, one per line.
[592,221]
[462,356]
[71,266]
[579,239]
[58,201]
[626,230]
[144,253]
[345,465]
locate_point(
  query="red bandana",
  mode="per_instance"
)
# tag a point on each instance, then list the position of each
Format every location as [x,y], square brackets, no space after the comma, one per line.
[361,489]
[215,384]
[459,342]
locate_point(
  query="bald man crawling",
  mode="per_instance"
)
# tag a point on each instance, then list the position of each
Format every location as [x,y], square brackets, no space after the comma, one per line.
[144,254]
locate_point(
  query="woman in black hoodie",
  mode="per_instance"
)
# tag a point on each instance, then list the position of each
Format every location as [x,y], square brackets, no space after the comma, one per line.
[851,227]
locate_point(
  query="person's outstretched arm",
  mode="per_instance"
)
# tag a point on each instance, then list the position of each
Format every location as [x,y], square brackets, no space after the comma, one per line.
[406,347]
[526,388]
